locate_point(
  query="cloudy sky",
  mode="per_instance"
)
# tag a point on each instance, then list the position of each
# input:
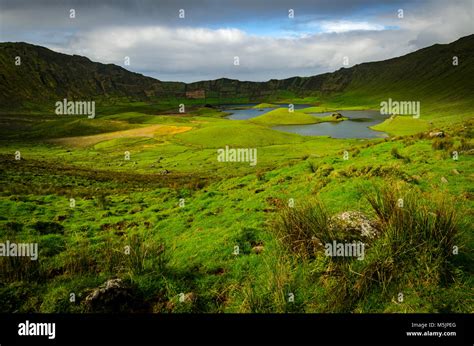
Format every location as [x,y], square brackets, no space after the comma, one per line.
[320,37]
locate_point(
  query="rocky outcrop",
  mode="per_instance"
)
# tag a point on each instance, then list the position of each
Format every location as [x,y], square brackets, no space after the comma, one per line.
[439,134]
[354,224]
[115,295]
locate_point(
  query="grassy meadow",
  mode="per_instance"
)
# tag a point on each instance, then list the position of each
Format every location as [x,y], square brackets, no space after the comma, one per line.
[181,213]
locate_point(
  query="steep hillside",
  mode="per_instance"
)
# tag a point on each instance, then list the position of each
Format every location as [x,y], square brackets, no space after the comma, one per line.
[46,75]
[427,74]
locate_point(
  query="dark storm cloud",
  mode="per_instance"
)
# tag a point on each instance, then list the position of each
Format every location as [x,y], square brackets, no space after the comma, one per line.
[198,12]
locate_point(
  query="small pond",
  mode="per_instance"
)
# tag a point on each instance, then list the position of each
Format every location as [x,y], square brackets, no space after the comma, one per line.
[357,125]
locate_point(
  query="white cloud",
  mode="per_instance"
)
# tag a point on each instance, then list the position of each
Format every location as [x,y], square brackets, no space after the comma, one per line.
[345,26]
[206,53]
[195,53]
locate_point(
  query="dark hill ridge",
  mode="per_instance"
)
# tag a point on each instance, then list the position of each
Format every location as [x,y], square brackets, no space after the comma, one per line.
[45,75]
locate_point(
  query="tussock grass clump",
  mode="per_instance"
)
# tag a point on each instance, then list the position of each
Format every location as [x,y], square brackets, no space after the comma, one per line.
[464,145]
[102,201]
[320,184]
[313,167]
[414,221]
[383,201]
[260,175]
[279,291]
[324,170]
[303,228]
[414,247]
[19,269]
[396,154]
[442,144]
[144,254]
[79,257]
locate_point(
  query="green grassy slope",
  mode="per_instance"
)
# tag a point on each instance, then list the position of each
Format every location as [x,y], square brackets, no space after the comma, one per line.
[282,116]
[229,204]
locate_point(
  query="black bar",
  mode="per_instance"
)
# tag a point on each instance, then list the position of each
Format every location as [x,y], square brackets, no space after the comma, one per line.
[220,329]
